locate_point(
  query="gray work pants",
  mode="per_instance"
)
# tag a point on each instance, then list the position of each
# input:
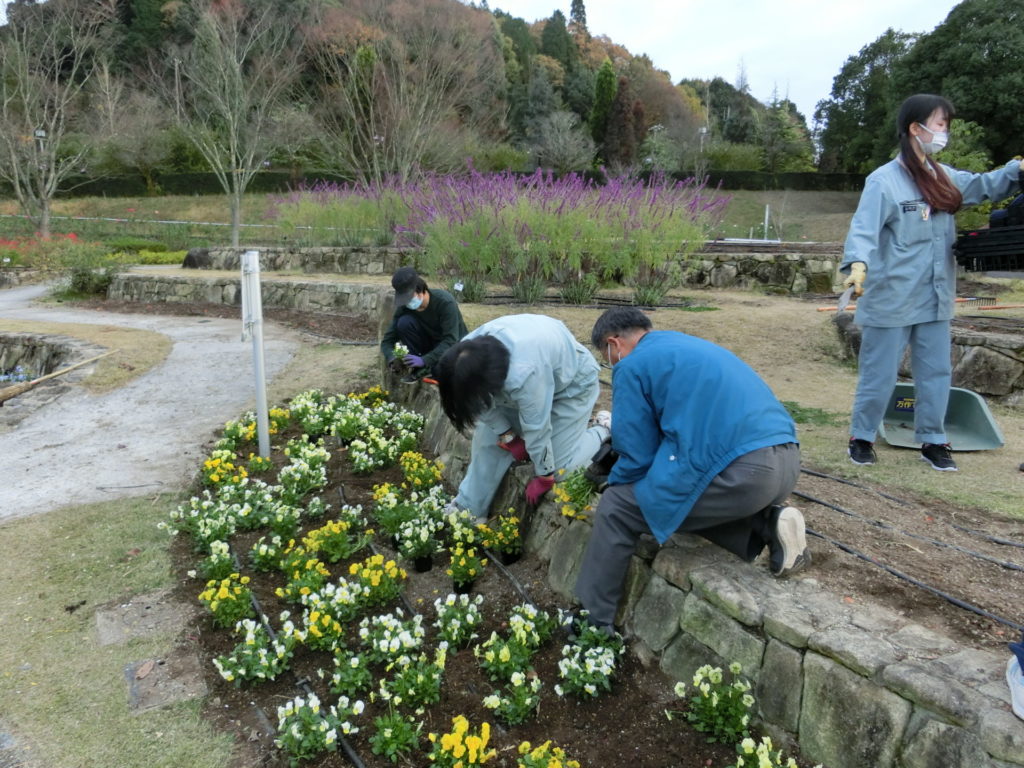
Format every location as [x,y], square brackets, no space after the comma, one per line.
[732,513]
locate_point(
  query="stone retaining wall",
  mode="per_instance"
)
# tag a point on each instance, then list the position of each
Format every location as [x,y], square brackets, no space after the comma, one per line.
[794,267]
[798,270]
[354,260]
[304,296]
[855,686]
[11,277]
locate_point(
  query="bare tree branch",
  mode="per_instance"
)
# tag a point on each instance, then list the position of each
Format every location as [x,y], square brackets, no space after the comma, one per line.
[46,59]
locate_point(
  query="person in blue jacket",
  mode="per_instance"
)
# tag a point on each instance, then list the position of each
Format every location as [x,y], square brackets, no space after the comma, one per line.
[899,258]
[528,388]
[704,447]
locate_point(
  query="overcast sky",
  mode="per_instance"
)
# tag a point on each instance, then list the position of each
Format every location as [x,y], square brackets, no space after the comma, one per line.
[797,46]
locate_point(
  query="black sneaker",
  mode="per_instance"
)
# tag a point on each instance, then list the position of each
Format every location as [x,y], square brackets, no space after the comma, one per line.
[861,452]
[787,543]
[938,456]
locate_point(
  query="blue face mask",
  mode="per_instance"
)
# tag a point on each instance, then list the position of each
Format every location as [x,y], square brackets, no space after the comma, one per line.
[414,303]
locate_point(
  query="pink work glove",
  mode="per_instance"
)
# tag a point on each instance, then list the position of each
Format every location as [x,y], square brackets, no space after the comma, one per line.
[537,487]
[517,447]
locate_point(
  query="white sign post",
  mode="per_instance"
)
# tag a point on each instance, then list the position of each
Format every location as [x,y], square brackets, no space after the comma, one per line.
[252,327]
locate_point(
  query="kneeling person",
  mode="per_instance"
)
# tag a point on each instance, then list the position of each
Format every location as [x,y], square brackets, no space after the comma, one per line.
[428,322]
[704,447]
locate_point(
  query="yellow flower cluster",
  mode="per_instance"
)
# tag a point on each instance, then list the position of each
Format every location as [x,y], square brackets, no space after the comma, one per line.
[379,577]
[306,574]
[504,535]
[419,472]
[460,748]
[372,397]
[227,599]
[279,418]
[221,468]
[543,756]
[574,492]
[259,463]
[466,564]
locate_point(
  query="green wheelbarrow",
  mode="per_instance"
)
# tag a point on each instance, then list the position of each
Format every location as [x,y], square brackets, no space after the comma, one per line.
[969,423]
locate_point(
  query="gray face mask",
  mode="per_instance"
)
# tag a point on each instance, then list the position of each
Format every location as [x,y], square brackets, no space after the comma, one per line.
[414,303]
[939,140]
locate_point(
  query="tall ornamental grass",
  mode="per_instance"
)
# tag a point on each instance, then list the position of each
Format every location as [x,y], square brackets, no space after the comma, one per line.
[527,232]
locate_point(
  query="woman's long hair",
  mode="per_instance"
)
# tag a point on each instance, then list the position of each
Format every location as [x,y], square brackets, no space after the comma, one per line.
[469,375]
[934,185]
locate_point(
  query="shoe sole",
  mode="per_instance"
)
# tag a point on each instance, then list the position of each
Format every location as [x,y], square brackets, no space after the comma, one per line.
[1015,679]
[792,534]
[867,463]
[937,468]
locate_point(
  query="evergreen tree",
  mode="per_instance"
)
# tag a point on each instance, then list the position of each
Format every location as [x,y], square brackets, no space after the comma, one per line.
[578,91]
[578,17]
[144,30]
[556,42]
[625,127]
[541,101]
[604,95]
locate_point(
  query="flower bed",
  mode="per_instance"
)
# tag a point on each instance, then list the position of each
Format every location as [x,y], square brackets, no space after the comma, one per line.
[394,663]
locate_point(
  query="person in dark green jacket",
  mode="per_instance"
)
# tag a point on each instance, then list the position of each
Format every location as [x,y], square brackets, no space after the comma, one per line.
[428,322]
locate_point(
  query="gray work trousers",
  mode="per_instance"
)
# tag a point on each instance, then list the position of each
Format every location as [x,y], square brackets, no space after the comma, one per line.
[732,512]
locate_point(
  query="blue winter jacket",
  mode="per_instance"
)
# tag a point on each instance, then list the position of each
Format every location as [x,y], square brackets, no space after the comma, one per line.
[908,248]
[682,410]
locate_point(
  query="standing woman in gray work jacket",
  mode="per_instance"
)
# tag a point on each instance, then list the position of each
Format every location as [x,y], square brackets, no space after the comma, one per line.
[899,255]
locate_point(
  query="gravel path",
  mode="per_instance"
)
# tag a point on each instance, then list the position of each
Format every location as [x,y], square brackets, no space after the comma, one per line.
[147,436]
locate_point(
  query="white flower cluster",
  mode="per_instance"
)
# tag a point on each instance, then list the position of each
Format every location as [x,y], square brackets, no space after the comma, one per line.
[387,636]
[529,626]
[458,617]
[585,670]
[418,537]
[257,657]
[305,729]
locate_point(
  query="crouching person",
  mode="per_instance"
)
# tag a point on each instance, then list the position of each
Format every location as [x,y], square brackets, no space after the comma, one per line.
[704,447]
[528,387]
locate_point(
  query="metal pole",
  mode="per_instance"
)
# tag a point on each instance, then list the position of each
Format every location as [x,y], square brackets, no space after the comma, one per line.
[252,326]
[766,222]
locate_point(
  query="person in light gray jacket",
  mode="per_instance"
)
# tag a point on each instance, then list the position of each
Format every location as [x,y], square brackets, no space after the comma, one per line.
[899,258]
[527,387]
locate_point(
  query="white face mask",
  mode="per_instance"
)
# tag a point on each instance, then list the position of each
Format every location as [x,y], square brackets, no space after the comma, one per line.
[939,140]
[414,303]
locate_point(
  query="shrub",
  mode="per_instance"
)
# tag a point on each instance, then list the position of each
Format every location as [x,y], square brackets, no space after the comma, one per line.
[134,245]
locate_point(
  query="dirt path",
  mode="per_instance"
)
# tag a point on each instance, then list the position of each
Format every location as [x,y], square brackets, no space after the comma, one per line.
[144,437]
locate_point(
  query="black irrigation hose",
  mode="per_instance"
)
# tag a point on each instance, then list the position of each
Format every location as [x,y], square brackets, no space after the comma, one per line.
[301,683]
[910,579]
[516,584]
[908,534]
[962,529]
[844,481]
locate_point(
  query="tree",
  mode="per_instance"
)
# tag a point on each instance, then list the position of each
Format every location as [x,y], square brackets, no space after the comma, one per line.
[578,18]
[541,101]
[626,129]
[561,144]
[232,89]
[555,40]
[604,95]
[857,123]
[46,61]
[975,58]
[402,88]
[785,145]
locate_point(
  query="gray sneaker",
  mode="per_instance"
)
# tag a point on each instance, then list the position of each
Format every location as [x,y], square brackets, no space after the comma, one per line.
[787,547]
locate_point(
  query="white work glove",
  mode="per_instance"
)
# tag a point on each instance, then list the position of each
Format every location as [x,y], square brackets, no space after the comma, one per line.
[858,271]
